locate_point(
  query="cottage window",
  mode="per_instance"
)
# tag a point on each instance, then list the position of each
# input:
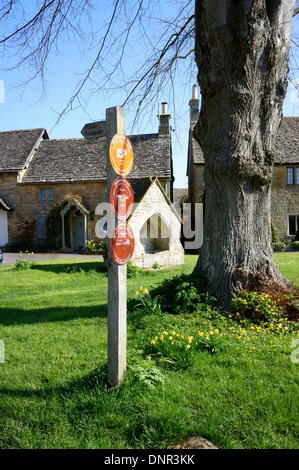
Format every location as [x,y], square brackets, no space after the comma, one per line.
[43,194]
[50,194]
[41,227]
[293,175]
[293,224]
[47,192]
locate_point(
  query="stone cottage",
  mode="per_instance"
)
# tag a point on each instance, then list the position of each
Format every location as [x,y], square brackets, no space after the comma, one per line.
[39,175]
[285,186]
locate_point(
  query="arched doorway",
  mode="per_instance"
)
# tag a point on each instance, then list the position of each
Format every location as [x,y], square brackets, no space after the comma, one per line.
[74,225]
[155,234]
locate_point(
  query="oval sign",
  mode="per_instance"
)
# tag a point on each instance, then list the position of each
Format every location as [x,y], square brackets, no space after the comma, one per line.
[122,198]
[122,243]
[121,155]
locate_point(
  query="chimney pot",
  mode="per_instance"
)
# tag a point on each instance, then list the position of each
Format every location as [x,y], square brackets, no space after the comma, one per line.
[164,121]
[194,106]
[194,92]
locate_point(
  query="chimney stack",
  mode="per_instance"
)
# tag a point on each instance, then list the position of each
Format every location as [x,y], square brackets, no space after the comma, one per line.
[194,106]
[164,121]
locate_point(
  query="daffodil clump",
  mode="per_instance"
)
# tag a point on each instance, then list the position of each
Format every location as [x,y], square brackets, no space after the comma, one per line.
[93,245]
[151,305]
[259,308]
[174,347]
[257,324]
[24,261]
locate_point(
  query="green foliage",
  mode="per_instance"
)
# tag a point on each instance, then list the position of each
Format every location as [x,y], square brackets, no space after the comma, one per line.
[181,293]
[275,238]
[132,270]
[25,261]
[175,348]
[100,245]
[149,304]
[259,308]
[295,245]
[279,246]
[144,372]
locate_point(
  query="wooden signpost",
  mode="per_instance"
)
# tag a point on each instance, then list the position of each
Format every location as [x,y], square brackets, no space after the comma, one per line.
[121,244]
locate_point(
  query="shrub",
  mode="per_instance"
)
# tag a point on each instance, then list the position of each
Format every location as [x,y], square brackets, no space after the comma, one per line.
[272,305]
[275,238]
[256,307]
[295,245]
[279,246]
[183,293]
[132,270]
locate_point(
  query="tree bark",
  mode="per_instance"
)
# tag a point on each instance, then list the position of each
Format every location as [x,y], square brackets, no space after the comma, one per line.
[242,50]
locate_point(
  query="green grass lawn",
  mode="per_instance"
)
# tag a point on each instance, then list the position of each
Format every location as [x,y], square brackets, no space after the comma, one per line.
[238,387]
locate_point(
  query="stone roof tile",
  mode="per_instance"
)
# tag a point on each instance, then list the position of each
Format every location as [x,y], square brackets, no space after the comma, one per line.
[16,147]
[66,160]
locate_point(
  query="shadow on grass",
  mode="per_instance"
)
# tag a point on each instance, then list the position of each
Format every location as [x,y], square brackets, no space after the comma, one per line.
[73,267]
[18,316]
[95,379]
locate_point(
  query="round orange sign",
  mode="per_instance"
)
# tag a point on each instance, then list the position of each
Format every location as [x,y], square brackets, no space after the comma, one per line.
[122,243]
[121,154]
[122,198]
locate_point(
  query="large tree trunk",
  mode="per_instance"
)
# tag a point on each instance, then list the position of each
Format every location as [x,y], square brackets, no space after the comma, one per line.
[242,49]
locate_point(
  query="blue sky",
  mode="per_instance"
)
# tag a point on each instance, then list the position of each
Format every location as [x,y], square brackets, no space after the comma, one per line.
[29,108]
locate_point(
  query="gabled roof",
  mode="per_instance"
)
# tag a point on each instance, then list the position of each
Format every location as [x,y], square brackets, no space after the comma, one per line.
[17,146]
[141,186]
[66,160]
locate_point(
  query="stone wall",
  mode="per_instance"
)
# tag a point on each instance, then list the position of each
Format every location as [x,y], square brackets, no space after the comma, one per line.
[28,205]
[284,201]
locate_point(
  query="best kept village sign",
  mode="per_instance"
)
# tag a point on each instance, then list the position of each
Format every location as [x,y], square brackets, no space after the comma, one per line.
[122,199]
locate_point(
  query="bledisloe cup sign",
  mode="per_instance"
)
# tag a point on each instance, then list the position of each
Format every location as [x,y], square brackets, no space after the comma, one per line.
[122,199]
[121,155]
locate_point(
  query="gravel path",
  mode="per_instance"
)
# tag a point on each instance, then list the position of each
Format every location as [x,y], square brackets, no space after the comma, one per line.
[10,258]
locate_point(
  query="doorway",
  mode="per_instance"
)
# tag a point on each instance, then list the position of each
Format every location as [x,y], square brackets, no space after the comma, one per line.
[3,228]
[78,231]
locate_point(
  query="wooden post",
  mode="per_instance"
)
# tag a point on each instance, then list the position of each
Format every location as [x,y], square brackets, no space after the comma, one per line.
[117,274]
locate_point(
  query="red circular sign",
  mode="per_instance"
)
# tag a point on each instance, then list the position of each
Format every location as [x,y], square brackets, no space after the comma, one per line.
[122,243]
[122,198]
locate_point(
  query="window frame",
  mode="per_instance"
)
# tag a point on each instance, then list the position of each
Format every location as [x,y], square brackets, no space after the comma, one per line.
[44,194]
[41,227]
[52,192]
[296,217]
[292,175]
